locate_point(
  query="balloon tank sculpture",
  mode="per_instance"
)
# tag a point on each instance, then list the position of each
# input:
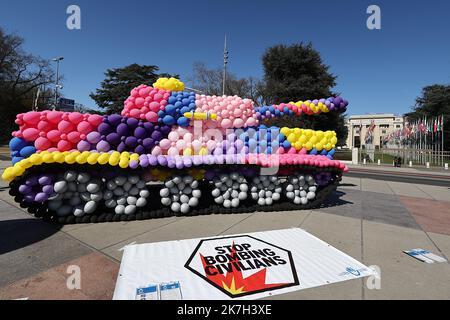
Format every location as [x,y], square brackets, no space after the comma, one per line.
[171,152]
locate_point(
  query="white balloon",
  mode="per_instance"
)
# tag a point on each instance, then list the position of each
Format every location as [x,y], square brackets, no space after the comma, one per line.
[90,207]
[196,193]
[219,200]
[215,193]
[83,177]
[235,202]
[269,201]
[130,209]
[310,195]
[122,200]
[98,196]
[184,208]
[304,200]
[144,193]
[70,176]
[176,180]
[78,211]
[141,202]
[120,209]
[165,201]
[276,196]
[242,195]
[175,207]
[193,202]
[261,201]
[170,184]
[243,187]
[227,203]
[86,196]
[93,187]
[60,186]
[298,200]
[184,198]
[131,200]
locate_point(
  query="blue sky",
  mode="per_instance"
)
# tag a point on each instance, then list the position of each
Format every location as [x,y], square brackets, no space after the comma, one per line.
[378,70]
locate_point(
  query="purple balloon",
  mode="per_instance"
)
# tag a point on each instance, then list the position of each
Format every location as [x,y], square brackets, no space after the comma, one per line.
[148,126]
[114,119]
[103,146]
[148,143]
[83,146]
[93,137]
[122,147]
[162,160]
[48,189]
[131,142]
[133,164]
[45,180]
[104,129]
[165,130]
[122,129]
[24,189]
[143,160]
[113,138]
[140,133]
[132,123]
[156,135]
[139,149]
[41,197]
[152,160]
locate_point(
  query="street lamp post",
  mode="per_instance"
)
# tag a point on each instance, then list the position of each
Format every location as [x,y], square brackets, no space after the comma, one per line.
[57,60]
[225,62]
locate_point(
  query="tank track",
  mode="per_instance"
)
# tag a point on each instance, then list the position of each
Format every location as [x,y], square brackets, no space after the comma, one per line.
[156,209]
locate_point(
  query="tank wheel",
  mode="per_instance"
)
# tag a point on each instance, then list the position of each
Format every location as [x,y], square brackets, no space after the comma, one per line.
[300,188]
[125,194]
[180,193]
[229,189]
[266,190]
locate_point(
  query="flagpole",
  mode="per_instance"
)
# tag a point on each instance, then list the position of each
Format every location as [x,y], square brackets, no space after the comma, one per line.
[442,134]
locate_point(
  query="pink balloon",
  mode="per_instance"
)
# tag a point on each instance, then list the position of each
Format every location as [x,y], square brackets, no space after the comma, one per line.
[139,102]
[238,123]
[145,91]
[151,116]
[54,135]
[64,145]
[73,136]
[173,151]
[173,136]
[95,119]
[75,117]
[165,143]
[154,106]
[45,126]
[196,145]
[226,123]
[181,144]
[42,143]
[65,126]
[54,116]
[32,117]
[156,151]
[30,134]
[84,127]
[135,113]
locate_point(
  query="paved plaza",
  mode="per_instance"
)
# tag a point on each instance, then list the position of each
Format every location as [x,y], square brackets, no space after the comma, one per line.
[370,220]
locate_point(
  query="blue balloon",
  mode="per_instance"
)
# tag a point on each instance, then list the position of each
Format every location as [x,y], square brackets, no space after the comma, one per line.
[313,151]
[275,144]
[183,121]
[192,105]
[178,104]
[286,144]
[172,100]
[324,152]
[170,109]
[27,151]
[17,143]
[281,137]
[185,101]
[168,120]
[16,159]
[184,110]
[331,152]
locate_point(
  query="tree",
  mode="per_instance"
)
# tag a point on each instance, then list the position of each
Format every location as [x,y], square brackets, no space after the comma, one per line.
[434,101]
[296,72]
[21,74]
[210,81]
[118,83]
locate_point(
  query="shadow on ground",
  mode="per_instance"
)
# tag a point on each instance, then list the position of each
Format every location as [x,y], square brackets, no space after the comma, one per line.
[19,233]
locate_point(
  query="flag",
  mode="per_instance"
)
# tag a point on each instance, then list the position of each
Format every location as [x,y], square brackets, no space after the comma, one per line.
[435,125]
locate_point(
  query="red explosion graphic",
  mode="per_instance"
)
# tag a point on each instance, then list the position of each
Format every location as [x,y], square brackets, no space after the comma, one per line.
[234,282]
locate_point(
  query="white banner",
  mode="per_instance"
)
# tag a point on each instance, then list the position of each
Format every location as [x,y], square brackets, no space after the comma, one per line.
[246,266]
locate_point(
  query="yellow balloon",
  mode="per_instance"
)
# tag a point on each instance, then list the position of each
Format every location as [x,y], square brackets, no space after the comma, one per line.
[303,139]
[333,140]
[48,158]
[187,152]
[134,157]
[297,145]
[103,158]
[93,158]
[203,151]
[313,139]
[328,146]
[292,137]
[308,146]
[123,163]
[319,146]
